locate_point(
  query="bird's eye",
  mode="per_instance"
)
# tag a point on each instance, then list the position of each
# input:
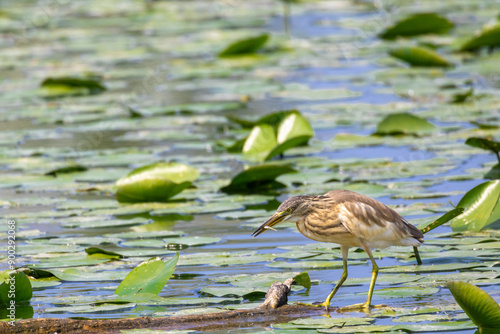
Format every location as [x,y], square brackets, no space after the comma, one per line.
[289,210]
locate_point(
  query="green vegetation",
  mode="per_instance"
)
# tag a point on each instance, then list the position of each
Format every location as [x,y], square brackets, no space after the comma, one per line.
[133,131]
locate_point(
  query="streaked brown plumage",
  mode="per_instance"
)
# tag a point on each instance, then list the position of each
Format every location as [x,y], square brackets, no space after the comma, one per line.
[349,219]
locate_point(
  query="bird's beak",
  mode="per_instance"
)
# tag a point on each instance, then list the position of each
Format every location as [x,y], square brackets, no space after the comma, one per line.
[275,219]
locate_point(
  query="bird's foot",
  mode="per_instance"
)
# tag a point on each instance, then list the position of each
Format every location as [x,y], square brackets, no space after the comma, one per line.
[316,304]
[365,307]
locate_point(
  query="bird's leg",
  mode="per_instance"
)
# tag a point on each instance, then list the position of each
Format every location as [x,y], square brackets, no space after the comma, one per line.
[366,305]
[343,277]
[374,278]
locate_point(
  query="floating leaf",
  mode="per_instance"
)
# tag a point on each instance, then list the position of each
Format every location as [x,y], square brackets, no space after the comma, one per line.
[245,46]
[480,206]
[404,123]
[90,308]
[418,24]
[18,282]
[97,250]
[462,97]
[303,279]
[155,183]
[260,142]
[72,261]
[294,130]
[479,306]
[275,133]
[420,56]
[488,38]
[485,144]
[439,327]
[191,241]
[67,170]
[88,274]
[148,277]
[493,173]
[69,86]
[256,177]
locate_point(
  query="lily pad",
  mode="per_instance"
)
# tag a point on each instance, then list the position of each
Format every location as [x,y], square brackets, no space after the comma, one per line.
[483,310]
[303,279]
[72,261]
[418,24]
[244,46]
[69,86]
[253,178]
[260,142]
[67,170]
[490,37]
[148,277]
[480,206]
[191,241]
[485,144]
[155,183]
[420,56]
[15,287]
[276,133]
[404,123]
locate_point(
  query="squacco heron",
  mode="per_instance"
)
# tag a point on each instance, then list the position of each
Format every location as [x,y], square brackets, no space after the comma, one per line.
[351,220]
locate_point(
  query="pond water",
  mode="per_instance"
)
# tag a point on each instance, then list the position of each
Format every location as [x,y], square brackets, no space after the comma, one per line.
[332,68]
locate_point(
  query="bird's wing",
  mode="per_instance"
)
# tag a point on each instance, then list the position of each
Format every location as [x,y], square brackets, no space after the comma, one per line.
[370,221]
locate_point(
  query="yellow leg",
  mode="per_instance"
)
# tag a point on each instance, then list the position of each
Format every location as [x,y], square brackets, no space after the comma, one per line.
[374,278]
[343,277]
[366,305]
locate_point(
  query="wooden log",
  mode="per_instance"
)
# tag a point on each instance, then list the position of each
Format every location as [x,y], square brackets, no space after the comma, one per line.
[273,310]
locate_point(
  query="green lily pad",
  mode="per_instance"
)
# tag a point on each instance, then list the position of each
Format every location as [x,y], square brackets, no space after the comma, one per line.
[155,183]
[67,170]
[223,258]
[439,327]
[15,287]
[294,130]
[303,279]
[490,37]
[70,86]
[98,250]
[191,241]
[88,274]
[260,142]
[397,292]
[244,46]
[481,308]
[276,133]
[480,206]
[72,261]
[45,282]
[485,144]
[404,123]
[323,322]
[418,24]
[147,234]
[431,268]
[256,177]
[90,308]
[148,277]
[148,243]
[420,56]
[249,293]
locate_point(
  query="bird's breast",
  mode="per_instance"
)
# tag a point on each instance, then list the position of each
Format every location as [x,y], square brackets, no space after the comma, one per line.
[326,230]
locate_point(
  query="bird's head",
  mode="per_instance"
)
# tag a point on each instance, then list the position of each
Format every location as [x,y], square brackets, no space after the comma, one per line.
[294,207]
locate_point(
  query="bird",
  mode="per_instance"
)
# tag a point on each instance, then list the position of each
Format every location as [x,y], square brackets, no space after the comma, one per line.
[349,219]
